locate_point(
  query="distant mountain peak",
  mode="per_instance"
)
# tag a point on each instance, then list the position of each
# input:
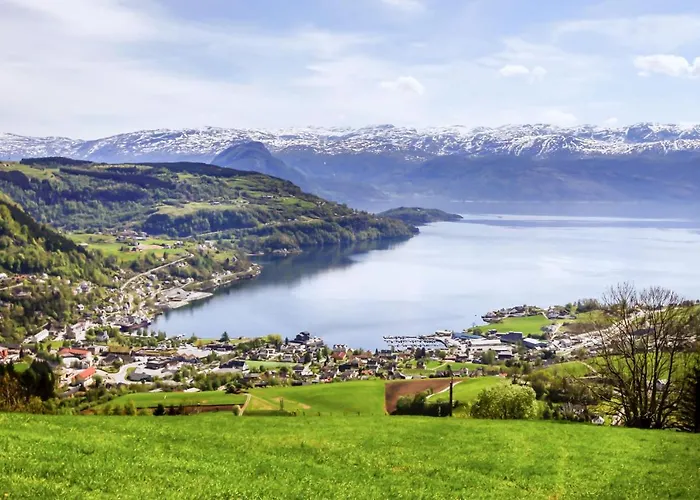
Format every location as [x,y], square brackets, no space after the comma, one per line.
[203,144]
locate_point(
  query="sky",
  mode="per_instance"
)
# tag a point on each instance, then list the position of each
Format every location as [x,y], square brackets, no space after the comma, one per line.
[91,68]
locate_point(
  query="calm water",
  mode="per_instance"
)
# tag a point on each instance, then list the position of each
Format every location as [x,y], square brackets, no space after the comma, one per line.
[447,277]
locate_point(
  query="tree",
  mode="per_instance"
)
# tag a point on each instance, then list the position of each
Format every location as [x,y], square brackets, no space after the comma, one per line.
[224,337]
[689,407]
[307,357]
[489,357]
[159,411]
[643,345]
[274,339]
[505,402]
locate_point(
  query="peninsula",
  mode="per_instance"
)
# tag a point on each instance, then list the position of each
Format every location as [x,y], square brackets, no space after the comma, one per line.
[420,216]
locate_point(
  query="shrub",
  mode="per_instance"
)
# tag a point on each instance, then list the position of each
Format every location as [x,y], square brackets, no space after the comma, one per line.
[159,411]
[505,402]
[130,408]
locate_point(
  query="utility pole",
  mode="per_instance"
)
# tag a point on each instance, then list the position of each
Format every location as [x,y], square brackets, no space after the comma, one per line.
[452,378]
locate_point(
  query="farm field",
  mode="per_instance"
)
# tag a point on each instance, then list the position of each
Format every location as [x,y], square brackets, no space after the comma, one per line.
[338,457]
[365,397]
[151,399]
[109,245]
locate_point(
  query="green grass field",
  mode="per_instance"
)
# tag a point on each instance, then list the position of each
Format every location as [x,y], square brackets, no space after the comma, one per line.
[269,365]
[151,399]
[568,369]
[192,207]
[223,456]
[365,397]
[458,366]
[109,245]
[528,325]
[467,390]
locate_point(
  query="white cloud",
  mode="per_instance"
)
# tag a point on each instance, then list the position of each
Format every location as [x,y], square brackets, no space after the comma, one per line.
[406,84]
[651,32]
[558,117]
[667,64]
[515,70]
[611,122]
[411,6]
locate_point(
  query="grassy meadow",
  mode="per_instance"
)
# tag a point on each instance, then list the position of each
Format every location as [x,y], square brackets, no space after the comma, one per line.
[218,455]
[529,325]
[152,399]
[468,389]
[109,245]
[365,397]
[568,369]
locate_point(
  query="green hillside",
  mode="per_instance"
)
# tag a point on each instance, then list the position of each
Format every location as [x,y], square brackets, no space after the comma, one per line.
[420,216]
[27,247]
[184,199]
[223,456]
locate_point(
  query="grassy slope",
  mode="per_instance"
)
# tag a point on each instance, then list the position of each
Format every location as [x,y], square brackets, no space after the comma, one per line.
[568,369]
[151,399]
[366,397]
[222,456]
[467,390]
[109,245]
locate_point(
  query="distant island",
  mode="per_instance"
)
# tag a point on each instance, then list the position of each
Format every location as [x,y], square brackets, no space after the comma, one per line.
[420,216]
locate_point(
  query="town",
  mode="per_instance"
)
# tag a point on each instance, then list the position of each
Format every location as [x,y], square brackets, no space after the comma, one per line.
[115,354]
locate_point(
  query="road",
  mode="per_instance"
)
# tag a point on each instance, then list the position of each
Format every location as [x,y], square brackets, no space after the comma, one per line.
[120,376]
[11,287]
[130,280]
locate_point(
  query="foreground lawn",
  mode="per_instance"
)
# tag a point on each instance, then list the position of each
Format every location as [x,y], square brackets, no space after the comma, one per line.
[151,399]
[222,456]
[365,397]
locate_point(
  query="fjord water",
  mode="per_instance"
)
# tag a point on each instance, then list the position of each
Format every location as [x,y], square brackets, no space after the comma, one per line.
[447,277]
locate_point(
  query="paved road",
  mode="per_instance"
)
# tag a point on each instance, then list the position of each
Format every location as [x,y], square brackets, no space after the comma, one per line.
[11,287]
[130,280]
[120,376]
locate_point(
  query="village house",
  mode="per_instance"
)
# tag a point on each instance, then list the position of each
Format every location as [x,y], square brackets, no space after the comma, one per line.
[84,377]
[303,371]
[140,376]
[39,337]
[235,364]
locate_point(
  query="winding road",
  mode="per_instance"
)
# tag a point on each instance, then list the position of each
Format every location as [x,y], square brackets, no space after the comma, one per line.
[131,280]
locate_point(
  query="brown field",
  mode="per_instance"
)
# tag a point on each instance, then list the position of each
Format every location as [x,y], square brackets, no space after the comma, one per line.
[394,390]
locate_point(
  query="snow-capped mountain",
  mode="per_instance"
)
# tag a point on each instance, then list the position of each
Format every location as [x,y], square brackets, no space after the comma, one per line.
[419,144]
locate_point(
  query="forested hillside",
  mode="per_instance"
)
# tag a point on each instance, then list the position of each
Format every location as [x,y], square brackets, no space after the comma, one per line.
[420,216]
[187,199]
[27,247]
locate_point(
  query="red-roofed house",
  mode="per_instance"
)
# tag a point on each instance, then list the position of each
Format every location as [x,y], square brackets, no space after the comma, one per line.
[73,353]
[339,356]
[85,376]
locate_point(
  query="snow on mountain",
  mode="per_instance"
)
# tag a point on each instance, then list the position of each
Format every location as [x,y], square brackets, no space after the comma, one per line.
[205,143]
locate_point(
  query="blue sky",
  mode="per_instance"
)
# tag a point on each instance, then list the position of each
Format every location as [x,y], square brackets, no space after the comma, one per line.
[88,68]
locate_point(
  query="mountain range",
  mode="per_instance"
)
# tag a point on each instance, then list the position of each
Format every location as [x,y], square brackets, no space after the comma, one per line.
[642,162]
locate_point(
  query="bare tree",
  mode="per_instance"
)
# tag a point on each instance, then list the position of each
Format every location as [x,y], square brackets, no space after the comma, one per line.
[644,351]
